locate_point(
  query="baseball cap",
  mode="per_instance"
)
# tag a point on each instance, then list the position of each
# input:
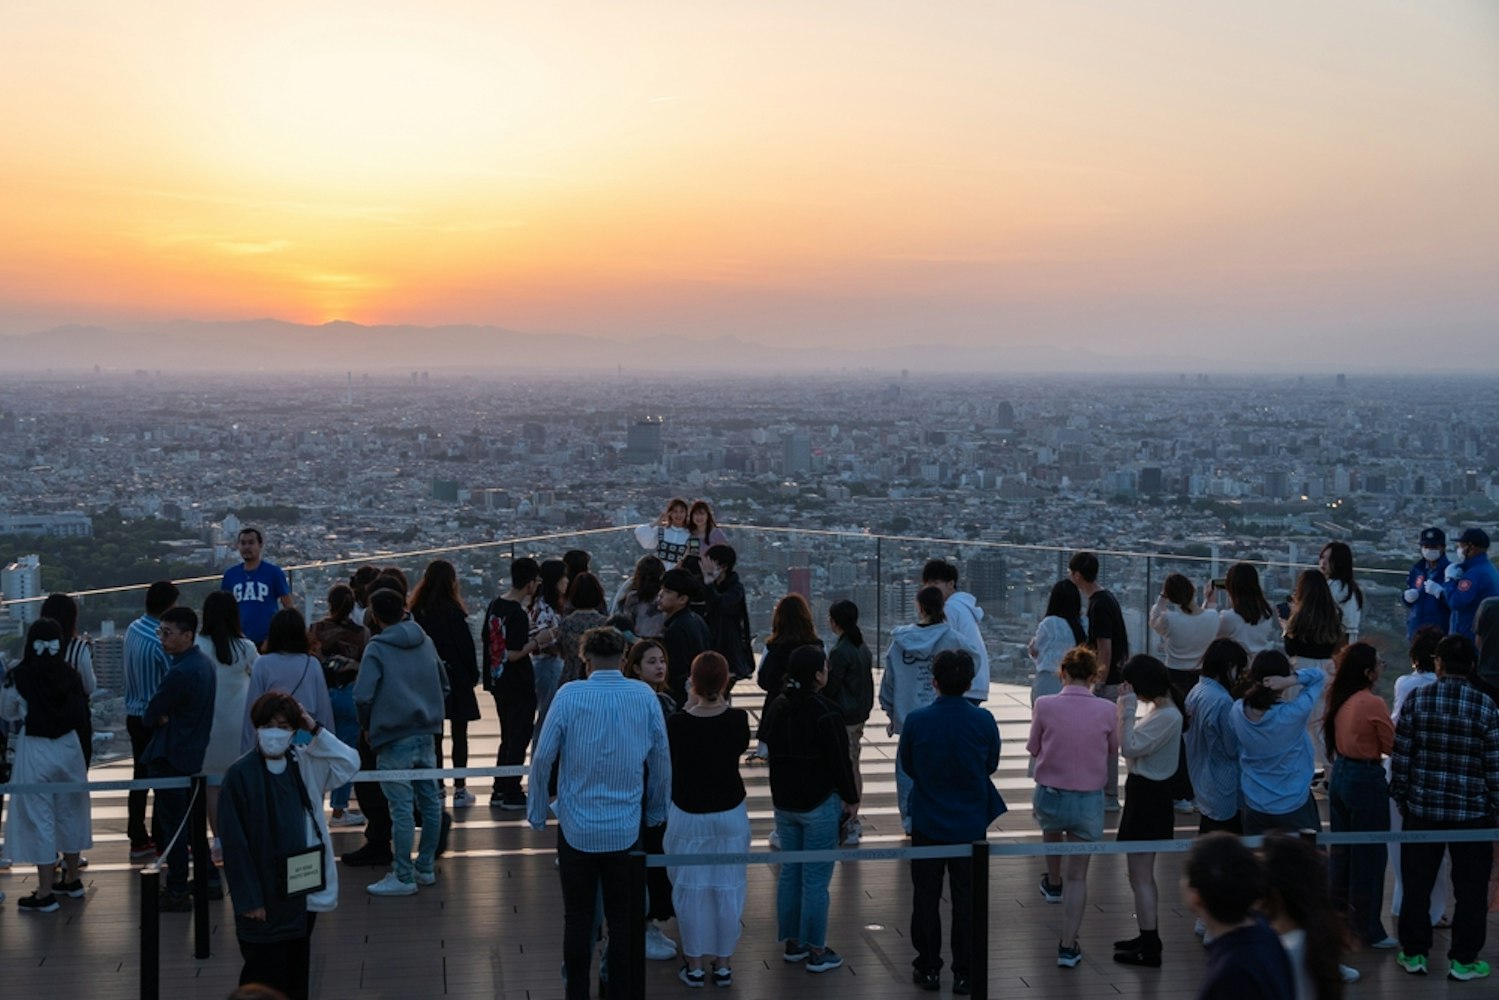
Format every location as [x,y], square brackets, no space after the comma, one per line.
[1476,537]
[1434,538]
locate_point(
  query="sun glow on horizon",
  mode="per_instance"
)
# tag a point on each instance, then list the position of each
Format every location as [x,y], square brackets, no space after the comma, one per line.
[979,170]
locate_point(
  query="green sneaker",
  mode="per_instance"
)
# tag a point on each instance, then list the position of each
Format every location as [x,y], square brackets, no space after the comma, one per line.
[1472,970]
[1414,964]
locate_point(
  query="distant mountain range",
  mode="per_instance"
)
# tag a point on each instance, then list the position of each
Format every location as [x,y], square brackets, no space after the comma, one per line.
[276,345]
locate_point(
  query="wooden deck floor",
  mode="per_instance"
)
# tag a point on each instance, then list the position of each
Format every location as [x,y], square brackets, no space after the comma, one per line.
[492,925]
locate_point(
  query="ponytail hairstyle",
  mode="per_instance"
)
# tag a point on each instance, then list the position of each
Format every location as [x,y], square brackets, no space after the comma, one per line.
[845,614]
[1266,663]
[931,604]
[802,668]
[1179,591]
[45,646]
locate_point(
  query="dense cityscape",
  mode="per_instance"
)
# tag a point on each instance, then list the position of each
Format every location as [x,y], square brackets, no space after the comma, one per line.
[1005,476]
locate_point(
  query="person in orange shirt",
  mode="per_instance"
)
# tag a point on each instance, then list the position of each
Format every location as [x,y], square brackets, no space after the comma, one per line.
[1359,734]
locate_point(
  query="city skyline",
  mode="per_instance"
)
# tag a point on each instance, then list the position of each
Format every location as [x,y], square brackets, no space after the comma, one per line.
[1167,186]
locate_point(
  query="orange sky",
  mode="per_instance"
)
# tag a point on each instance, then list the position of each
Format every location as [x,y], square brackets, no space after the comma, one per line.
[790,172]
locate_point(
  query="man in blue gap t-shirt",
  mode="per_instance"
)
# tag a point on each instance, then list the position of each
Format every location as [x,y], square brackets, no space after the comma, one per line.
[257,586]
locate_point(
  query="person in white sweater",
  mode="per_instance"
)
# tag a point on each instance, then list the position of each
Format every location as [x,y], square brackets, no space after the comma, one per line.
[1336,563]
[1249,619]
[1151,746]
[1185,629]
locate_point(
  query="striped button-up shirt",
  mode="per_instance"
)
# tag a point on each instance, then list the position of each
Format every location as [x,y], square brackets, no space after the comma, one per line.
[146,663]
[611,737]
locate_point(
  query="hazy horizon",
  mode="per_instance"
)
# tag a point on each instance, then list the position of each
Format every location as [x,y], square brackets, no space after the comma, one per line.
[1164,186]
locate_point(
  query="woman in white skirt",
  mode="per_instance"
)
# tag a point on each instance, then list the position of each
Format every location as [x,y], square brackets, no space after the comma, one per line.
[707,816]
[45,694]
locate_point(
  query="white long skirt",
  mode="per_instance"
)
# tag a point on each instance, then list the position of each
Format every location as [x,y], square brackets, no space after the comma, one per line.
[39,824]
[709,899]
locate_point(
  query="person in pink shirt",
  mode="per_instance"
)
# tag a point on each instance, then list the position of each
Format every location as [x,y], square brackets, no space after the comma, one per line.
[1073,737]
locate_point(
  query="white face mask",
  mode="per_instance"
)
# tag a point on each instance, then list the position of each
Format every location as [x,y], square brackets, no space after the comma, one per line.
[1431,555]
[274,742]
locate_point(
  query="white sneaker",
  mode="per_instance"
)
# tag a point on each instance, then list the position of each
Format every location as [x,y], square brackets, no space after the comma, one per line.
[1184,806]
[391,886]
[1385,943]
[426,878]
[5,863]
[1349,973]
[854,833]
[463,798]
[658,946]
[775,840]
[216,851]
[351,817]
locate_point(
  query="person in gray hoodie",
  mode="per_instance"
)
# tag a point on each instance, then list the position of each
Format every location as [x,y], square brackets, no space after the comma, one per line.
[907,684]
[963,615]
[400,694]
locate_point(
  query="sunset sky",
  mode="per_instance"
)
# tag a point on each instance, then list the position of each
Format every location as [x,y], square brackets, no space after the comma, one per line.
[1304,181]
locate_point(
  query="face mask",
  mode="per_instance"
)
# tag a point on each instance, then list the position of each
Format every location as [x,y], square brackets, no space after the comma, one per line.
[1431,555]
[274,742]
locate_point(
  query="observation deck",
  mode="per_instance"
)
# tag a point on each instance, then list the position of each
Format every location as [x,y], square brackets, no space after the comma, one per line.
[492,925]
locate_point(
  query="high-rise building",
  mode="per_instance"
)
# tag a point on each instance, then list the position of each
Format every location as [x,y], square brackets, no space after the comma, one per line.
[984,576]
[22,581]
[643,442]
[799,581]
[798,453]
[109,662]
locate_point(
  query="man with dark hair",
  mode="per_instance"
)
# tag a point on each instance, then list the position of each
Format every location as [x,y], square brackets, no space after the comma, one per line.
[180,716]
[508,674]
[684,634]
[400,695]
[1109,639]
[609,737]
[1444,775]
[1245,957]
[257,586]
[146,663]
[728,614]
[950,748]
[964,615]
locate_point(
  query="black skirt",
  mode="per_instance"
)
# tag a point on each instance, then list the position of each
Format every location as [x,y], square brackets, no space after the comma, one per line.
[1148,810]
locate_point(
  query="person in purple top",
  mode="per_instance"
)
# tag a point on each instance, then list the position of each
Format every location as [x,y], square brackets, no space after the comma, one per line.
[259,587]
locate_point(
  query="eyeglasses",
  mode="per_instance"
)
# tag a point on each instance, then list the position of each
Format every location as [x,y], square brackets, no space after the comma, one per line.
[166,633]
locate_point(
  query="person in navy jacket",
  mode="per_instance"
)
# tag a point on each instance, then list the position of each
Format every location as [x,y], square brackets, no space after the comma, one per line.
[1425,597]
[1468,583]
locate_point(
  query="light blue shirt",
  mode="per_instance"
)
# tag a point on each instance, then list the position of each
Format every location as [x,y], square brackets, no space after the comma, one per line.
[146,663]
[611,737]
[1213,750]
[1276,759]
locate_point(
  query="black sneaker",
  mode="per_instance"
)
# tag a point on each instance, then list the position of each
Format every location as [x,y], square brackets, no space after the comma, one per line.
[795,952]
[513,803]
[722,976]
[73,888]
[175,902]
[368,856]
[216,889]
[827,961]
[38,904]
[695,978]
[930,981]
[961,986]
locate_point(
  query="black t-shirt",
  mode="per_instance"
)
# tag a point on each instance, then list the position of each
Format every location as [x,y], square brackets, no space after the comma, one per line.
[511,617]
[1106,621]
[705,760]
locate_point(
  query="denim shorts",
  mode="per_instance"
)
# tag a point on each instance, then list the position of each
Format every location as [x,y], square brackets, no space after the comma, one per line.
[1059,811]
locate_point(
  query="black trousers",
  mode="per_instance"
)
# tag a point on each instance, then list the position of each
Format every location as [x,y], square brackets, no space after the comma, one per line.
[1472,863]
[657,882]
[517,711]
[172,811]
[284,965]
[135,825]
[926,914]
[583,873]
[1181,782]
[372,801]
[1234,824]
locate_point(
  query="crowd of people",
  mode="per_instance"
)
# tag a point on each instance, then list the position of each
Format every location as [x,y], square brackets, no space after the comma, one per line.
[1249,708]
[625,708]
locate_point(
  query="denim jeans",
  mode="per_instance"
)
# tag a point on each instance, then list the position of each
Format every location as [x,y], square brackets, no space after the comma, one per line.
[346,728]
[903,785]
[548,670]
[802,889]
[411,752]
[1359,802]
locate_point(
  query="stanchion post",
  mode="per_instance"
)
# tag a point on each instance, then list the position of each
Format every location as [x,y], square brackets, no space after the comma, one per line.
[636,973]
[150,935]
[978,948]
[202,864]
